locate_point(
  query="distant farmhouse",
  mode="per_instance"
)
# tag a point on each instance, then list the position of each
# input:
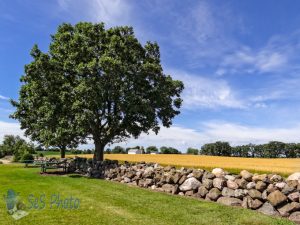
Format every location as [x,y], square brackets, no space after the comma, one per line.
[135,151]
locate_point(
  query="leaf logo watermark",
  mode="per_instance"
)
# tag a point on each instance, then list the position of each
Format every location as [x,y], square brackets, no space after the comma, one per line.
[15,207]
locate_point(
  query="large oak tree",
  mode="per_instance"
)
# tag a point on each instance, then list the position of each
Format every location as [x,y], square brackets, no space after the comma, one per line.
[95,83]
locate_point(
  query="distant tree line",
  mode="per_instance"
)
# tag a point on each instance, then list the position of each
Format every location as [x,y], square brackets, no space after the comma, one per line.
[273,149]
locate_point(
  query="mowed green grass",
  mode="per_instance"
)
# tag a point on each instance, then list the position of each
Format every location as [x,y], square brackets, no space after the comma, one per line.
[106,202]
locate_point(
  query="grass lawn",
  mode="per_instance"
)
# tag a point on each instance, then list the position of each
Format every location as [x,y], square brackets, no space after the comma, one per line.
[106,202]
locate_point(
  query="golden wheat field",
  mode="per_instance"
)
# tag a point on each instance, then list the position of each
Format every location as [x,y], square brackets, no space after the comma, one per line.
[282,165]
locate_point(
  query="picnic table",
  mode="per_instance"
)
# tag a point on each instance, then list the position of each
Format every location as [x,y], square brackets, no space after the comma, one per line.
[54,165]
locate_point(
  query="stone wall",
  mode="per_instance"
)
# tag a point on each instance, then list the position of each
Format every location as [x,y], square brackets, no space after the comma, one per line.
[270,194]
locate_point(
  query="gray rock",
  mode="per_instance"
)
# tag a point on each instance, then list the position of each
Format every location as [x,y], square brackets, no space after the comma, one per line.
[230,201]
[190,184]
[264,195]
[219,183]
[182,179]
[189,193]
[261,177]
[255,194]
[167,188]
[214,194]
[287,190]
[276,198]
[260,186]
[250,185]
[207,183]
[176,177]
[208,175]
[246,175]
[254,204]
[268,209]
[294,176]
[242,183]
[288,208]
[197,174]
[227,192]
[218,172]
[294,197]
[295,217]
[292,183]
[175,189]
[127,180]
[239,193]
[280,185]
[271,188]
[276,178]
[230,177]
[231,184]
[202,191]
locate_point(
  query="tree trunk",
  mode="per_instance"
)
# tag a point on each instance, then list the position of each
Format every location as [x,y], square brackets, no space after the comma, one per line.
[99,150]
[63,152]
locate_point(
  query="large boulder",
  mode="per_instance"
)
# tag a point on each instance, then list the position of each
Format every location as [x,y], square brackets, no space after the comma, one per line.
[250,185]
[288,208]
[268,209]
[276,198]
[202,191]
[218,172]
[246,175]
[260,177]
[295,217]
[219,183]
[260,186]
[190,184]
[255,194]
[167,188]
[242,183]
[294,176]
[230,201]
[214,194]
[227,192]
[294,197]
[240,193]
[207,183]
[231,184]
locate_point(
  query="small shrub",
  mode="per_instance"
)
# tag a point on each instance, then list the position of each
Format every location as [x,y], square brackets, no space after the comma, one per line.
[41,155]
[27,157]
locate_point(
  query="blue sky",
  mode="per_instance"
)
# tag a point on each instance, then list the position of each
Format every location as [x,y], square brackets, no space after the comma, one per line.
[238,59]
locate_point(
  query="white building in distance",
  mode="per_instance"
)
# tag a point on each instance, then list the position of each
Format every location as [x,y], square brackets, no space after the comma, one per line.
[135,151]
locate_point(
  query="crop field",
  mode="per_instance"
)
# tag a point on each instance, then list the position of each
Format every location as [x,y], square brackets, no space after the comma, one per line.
[233,164]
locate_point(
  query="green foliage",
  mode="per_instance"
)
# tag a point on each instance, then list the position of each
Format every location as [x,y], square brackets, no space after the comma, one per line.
[151,149]
[218,148]
[27,157]
[118,150]
[192,151]
[169,150]
[16,146]
[273,149]
[95,82]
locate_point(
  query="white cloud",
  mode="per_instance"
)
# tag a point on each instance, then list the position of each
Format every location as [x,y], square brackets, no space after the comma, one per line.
[3,97]
[202,92]
[11,129]
[239,134]
[112,12]
[250,61]
[182,138]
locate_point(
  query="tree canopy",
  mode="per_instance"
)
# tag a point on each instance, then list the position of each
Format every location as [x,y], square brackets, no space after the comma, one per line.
[95,83]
